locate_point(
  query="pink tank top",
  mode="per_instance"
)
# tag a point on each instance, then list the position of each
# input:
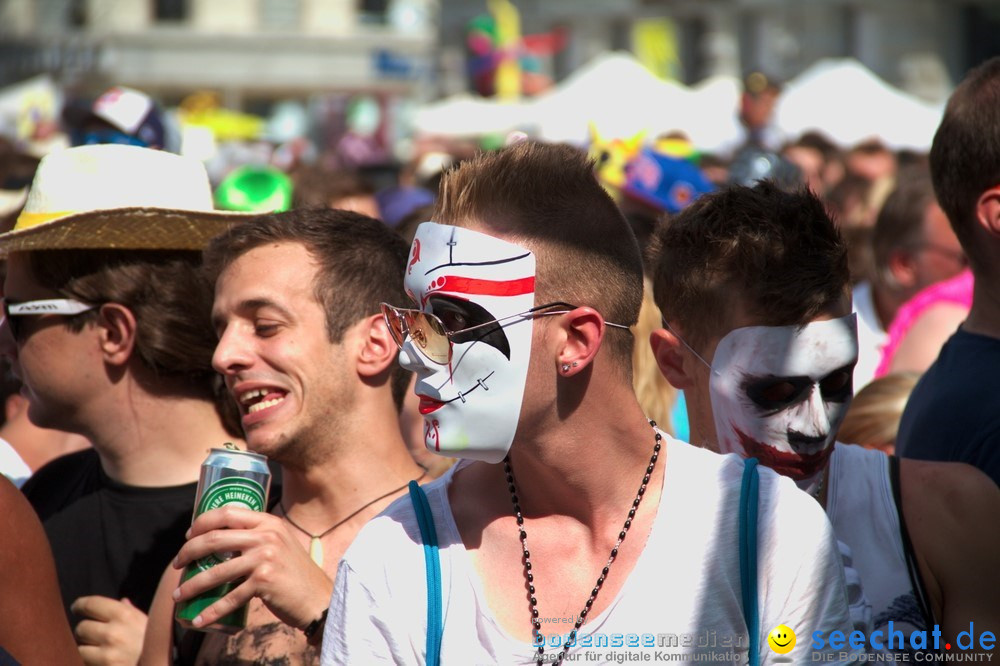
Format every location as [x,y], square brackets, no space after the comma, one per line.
[956,290]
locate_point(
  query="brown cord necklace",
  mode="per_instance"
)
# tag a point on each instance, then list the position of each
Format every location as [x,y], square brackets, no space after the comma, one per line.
[315,540]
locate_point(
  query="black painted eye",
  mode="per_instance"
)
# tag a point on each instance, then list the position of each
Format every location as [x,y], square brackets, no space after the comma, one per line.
[457,315]
[779,392]
[838,385]
[453,320]
[773,393]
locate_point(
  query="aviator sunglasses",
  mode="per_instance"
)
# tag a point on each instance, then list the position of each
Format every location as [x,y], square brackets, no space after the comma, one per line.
[13,313]
[432,338]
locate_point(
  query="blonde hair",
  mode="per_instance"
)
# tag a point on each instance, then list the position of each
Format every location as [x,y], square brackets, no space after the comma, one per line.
[873,417]
[656,396]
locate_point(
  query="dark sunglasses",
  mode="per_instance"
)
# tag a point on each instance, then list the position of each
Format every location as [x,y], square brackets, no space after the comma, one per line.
[14,313]
[434,340]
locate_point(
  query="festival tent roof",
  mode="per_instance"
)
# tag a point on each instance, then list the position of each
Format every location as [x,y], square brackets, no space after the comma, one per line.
[464,115]
[849,104]
[616,94]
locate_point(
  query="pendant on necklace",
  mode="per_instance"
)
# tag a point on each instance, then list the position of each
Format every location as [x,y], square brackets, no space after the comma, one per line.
[316,551]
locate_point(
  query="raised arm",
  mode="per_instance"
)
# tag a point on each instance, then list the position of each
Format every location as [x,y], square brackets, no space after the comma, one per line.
[157,646]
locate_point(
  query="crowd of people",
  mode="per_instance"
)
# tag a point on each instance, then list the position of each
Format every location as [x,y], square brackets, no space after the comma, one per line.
[527,405]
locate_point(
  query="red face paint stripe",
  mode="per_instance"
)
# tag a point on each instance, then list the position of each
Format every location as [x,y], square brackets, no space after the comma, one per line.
[416,255]
[462,285]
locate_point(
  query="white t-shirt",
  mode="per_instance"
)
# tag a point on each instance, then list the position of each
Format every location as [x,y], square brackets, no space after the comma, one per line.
[871,336]
[683,594]
[11,464]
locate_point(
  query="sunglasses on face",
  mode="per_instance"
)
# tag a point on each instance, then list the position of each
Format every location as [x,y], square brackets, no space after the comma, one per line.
[14,313]
[433,339]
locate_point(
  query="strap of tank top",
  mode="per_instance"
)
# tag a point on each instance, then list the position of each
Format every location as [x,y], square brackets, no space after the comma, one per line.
[432,563]
[748,556]
[912,568]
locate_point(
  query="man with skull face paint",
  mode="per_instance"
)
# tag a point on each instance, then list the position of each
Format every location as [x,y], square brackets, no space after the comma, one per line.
[520,293]
[764,346]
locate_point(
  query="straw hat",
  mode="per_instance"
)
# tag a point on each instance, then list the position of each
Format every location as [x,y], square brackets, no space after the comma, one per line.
[117,197]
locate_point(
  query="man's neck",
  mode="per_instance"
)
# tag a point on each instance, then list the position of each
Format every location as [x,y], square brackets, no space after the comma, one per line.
[886,305]
[984,316]
[585,465]
[362,464]
[157,441]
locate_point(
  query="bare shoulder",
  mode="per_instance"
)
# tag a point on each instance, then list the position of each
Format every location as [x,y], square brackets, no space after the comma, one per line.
[951,510]
[30,574]
[956,491]
[951,514]
[923,341]
[19,524]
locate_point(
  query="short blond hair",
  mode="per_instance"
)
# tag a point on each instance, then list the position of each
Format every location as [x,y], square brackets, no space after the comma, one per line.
[546,197]
[873,418]
[655,394]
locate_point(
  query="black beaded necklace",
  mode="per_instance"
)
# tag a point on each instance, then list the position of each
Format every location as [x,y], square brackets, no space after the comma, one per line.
[526,555]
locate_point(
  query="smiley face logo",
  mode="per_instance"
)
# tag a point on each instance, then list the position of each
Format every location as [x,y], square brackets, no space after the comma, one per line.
[781,639]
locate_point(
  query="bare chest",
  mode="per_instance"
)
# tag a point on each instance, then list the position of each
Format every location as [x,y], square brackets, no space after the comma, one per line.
[566,582]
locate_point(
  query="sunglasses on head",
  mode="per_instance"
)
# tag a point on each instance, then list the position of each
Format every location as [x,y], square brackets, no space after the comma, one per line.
[14,313]
[432,338]
[108,135]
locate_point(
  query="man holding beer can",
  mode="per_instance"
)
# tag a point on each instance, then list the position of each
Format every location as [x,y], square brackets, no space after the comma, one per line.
[312,365]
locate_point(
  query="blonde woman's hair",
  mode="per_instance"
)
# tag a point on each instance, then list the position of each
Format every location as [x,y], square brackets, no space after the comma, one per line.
[656,396]
[873,417]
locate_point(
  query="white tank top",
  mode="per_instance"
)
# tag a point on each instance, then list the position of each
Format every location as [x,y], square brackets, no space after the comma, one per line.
[862,509]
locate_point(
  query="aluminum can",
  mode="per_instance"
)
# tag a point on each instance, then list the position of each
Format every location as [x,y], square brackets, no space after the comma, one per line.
[229,477]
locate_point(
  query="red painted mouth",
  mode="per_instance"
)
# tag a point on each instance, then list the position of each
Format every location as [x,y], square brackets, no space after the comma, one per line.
[428,405]
[795,466]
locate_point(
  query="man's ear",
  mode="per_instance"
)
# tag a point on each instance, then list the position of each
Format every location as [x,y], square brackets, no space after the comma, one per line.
[118,332]
[584,330]
[667,349]
[378,350]
[988,210]
[902,267]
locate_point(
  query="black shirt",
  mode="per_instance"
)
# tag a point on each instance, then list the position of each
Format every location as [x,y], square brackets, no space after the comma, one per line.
[108,538]
[953,414]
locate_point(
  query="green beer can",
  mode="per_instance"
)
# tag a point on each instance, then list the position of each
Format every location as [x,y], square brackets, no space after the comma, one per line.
[229,477]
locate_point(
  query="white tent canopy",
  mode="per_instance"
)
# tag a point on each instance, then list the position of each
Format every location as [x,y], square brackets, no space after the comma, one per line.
[849,104]
[466,116]
[621,98]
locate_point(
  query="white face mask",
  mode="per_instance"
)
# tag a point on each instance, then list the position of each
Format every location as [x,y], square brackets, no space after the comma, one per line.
[779,393]
[471,406]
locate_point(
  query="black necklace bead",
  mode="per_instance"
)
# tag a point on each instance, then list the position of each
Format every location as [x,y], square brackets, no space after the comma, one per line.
[532,600]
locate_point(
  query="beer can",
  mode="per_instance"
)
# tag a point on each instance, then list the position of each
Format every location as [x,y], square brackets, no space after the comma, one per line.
[229,477]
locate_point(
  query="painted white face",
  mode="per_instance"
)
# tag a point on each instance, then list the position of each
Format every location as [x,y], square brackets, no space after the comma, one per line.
[471,406]
[779,393]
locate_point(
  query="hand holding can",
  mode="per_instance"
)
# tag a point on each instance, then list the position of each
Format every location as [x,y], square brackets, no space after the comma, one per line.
[229,477]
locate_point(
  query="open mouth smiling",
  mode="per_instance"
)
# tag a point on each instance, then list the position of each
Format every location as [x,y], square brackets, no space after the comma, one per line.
[258,399]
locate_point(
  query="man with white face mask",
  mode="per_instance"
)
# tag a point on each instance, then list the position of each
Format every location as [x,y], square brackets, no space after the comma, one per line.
[764,346]
[521,294]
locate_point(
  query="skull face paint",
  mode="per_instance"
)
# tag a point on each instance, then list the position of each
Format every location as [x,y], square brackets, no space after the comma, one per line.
[779,393]
[471,406]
